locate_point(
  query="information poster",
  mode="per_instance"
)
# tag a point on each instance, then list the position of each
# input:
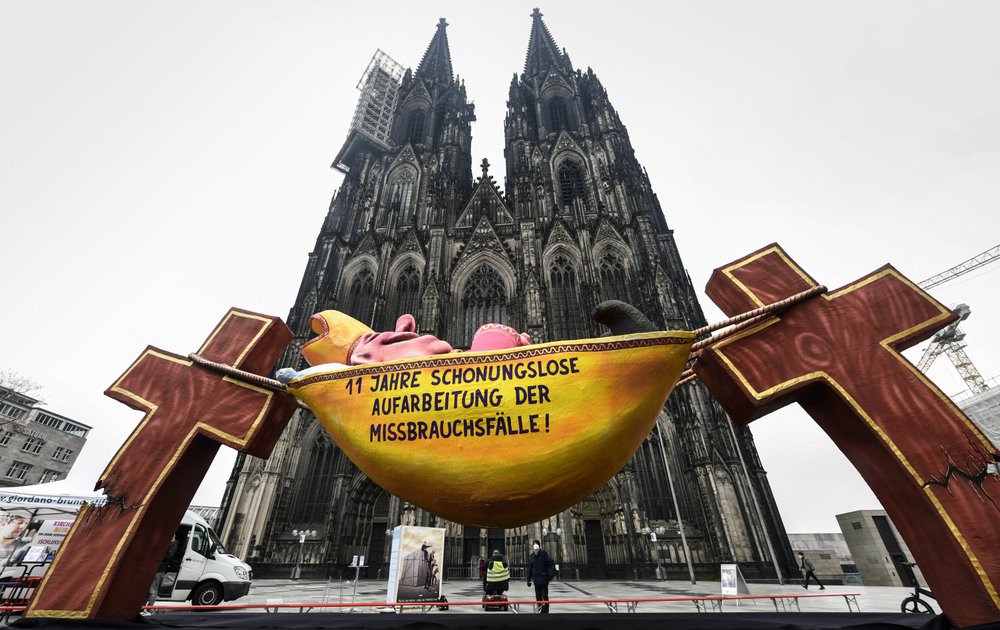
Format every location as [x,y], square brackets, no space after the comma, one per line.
[415,564]
[732,580]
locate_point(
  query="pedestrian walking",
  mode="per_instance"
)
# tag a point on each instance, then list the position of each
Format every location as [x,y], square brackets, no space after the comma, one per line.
[808,570]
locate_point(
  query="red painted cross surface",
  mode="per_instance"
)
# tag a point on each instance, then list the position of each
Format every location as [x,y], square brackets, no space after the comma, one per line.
[105,566]
[837,355]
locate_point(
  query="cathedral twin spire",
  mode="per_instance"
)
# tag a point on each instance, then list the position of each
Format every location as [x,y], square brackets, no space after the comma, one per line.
[542,49]
[542,52]
[436,63]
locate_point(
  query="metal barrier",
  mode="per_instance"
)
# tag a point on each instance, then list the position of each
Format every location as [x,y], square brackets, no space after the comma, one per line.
[782,603]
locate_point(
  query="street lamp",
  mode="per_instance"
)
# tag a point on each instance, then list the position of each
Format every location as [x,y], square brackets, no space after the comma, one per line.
[652,535]
[302,535]
[558,534]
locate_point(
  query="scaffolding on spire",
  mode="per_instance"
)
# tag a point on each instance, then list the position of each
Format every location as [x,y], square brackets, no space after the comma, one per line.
[379,87]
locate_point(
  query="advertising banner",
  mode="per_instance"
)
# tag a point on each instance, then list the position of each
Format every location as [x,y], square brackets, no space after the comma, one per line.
[32,535]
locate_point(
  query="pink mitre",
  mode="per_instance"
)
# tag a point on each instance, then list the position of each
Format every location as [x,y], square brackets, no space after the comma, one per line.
[498,337]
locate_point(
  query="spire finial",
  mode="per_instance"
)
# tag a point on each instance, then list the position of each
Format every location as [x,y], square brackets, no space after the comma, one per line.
[436,63]
[542,49]
[486,167]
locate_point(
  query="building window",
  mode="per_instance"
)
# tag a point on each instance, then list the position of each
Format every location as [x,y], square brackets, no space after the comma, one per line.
[415,127]
[570,184]
[62,454]
[557,115]
[18,470]
[49,475]
[408,291]
[318,463]
[359,299]
[47,420]
[402,192]
[614,283]
[856,525]
[484,301]
[12,412]
[565,301]
[5,438]
[33,445]
[74,429]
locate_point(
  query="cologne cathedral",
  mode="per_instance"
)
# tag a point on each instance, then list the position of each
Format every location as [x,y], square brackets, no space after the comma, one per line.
[411,230]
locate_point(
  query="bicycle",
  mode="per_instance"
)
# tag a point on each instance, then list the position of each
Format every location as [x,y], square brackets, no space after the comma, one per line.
[913,603]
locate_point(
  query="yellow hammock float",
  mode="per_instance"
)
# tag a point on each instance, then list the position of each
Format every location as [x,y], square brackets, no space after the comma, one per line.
[500,438]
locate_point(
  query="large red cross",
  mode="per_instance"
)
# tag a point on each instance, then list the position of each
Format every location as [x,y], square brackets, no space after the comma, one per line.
[105,566]
[838,356]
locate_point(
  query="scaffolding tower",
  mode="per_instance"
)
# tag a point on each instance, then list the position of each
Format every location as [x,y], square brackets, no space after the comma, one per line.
[379,87]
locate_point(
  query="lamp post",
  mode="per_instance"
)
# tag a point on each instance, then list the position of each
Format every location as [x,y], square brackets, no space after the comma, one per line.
[652,534]
[558,532]
[302,535]
[677,509]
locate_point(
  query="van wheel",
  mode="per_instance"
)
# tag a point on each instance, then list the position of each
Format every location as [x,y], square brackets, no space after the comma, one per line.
[208,594]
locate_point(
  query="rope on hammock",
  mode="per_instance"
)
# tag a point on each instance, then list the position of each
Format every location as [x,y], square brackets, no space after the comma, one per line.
[740,323]
[736,324]
[242,375]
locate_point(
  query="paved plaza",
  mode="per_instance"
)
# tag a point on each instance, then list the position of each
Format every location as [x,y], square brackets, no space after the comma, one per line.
[869,599]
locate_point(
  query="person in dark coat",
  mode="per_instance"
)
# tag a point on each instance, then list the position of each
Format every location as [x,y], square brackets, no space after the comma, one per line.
[541,571]
[809,571]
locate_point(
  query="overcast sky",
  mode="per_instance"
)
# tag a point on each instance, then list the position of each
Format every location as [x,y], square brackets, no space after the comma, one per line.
[163,161]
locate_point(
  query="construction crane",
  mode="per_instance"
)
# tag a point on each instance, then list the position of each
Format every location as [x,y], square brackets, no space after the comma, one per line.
[950,340]
[961,269]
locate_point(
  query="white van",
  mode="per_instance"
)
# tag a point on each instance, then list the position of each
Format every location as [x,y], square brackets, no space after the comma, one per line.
[202,571]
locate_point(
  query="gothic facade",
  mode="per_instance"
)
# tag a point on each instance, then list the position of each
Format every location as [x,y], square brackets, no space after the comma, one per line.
[411,231]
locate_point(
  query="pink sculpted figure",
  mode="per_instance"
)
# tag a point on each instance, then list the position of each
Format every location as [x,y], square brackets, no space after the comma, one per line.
[343,340]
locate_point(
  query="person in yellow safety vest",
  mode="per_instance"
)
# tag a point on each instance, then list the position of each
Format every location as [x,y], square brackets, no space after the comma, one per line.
[497,578]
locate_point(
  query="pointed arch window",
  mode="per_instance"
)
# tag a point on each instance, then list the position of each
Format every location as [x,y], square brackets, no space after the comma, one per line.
[557,115]
[415,127]
[484,301]
[359,298]
[614,282]
[570,184]
[565,300]
[408,292]
[522,156]
[532,115]
[312,500]
[402,195]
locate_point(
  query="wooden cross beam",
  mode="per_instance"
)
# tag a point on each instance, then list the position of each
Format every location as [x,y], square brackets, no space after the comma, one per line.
[105,566]
[838,356]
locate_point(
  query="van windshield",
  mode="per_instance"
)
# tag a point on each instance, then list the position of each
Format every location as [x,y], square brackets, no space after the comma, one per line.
[216,543]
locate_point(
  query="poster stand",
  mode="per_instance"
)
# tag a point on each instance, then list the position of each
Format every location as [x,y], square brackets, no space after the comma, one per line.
[733,582]
[414,571]
[357,563]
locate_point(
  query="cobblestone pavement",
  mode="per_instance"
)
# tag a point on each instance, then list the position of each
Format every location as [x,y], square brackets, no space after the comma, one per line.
[869,599]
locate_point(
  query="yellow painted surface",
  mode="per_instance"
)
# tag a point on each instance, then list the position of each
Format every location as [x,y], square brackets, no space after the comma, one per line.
[500,438]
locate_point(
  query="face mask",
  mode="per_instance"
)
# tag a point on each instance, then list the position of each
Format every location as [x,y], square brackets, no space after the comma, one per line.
[535,547]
